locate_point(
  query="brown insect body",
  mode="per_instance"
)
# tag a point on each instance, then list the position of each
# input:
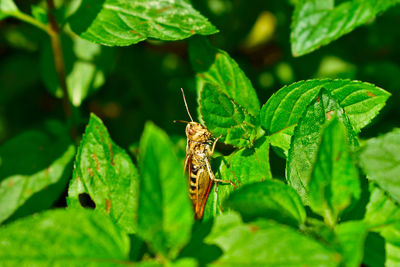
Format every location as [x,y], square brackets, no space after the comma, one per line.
[199,149]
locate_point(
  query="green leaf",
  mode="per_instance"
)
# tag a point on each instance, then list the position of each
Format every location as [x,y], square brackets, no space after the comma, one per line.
[360,101]
[7,8]
[215,66]
[249,165]
[63,238]
[185,262]
[351,237]
[380,158]
[34,170]
[392,255]
[165,215]
[86,65]
[105,172]
[334,180]
[306,140]
[246,165]
[316,23]
[265,243]
[383,216]
[40,14]
[271,199]
[223,116]
[381,210]
[125,22]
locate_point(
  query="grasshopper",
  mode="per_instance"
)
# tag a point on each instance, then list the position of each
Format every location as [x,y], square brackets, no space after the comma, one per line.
[199,149]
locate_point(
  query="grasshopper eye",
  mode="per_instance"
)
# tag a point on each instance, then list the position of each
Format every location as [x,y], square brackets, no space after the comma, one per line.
[191,131]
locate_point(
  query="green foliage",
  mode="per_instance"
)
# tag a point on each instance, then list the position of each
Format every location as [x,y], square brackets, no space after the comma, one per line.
[306,141]
[164,213]
[228,102]
[316,23]
[33,180]
[86,65]
[379,159]
[63,237]
[105,172]
[334,179]
[361,102]
[242,244]
[326,194]
[7,7]
[127,22]
[270,199]
[351,237]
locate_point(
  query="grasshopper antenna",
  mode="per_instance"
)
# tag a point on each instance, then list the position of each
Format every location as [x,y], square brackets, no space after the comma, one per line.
[187,109]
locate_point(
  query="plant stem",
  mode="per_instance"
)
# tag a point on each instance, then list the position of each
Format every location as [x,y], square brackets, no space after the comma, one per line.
[54,34]
[28,19]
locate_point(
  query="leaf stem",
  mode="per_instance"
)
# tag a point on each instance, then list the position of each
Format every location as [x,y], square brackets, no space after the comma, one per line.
[54,34]
[28,19]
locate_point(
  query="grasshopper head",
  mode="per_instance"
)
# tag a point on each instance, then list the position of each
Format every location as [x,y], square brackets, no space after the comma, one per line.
[197,132]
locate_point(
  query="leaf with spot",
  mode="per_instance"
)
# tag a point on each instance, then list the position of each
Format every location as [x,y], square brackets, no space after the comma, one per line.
[34,170]
[215,66]
[380,161]
[223,116]
[105,172]
[270,199]
[307,137]
[165,214]
[61,237]
[266,243]
[360,101]
[334,181]
[125,22]
[316,23]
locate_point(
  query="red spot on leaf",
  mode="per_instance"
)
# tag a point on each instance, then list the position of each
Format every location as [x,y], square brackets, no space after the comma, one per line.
[192,32]
[143,22]
[318,99]
[164,9]
[339,155]
[371,94]
[159,26]
[217,55]
[108,206]
[11,183]
[97,161]
[90,171]
[329,115]
[253,228]
[111,153]
[133,31]
[28,191]
[228,83]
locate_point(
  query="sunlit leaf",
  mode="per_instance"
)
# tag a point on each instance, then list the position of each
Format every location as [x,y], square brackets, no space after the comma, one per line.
[34,170]
[63,238]
[124,22]
[165,215]
[104,173]
[319,22]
